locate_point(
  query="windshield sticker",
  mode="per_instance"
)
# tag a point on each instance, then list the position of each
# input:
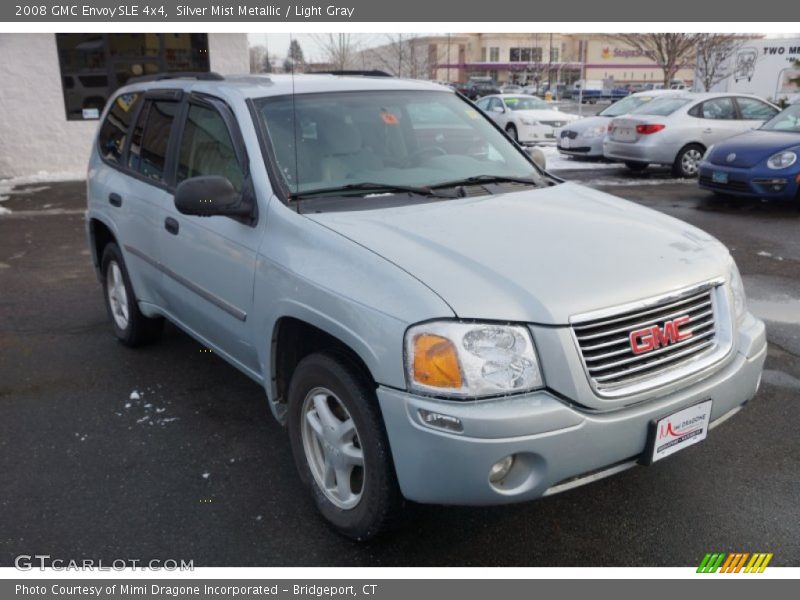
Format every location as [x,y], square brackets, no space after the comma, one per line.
[472,113]
[389,118]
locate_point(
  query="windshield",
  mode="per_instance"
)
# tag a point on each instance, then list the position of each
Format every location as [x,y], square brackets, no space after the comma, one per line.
[788,120]
[331,140]
[662,106]
[624,106]
[526,103]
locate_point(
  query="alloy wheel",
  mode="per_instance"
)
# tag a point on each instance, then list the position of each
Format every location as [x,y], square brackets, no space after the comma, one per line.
[117,295]
[332,448]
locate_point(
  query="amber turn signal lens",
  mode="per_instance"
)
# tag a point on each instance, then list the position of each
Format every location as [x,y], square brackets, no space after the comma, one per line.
[436,362]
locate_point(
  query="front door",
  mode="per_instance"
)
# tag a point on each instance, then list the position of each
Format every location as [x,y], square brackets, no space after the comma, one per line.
[209,263]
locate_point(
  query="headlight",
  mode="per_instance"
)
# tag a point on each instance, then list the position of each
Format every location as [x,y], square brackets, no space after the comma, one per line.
[737,291]
[781,160]
[598,131]
[526,121]
[469,360]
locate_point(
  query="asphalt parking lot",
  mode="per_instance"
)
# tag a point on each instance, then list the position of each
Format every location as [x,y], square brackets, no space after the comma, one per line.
[167,452]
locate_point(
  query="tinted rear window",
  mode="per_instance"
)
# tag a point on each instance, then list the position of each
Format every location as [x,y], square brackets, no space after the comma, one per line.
[114,131]
[148,153]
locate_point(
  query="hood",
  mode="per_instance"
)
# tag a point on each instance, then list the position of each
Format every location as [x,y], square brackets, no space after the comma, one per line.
[752,148]
[589,123]
[536,256]
[546,115]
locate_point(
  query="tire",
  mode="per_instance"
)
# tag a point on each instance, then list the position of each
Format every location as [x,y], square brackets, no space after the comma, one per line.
[131,327]
[636,166]
[511,130]
[685,164]
[326,387]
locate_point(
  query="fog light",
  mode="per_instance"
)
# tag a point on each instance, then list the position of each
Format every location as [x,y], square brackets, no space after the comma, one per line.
[440,421]
[500,469]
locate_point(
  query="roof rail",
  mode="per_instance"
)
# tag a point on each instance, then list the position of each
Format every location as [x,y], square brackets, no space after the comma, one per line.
[200,76]
[366,73]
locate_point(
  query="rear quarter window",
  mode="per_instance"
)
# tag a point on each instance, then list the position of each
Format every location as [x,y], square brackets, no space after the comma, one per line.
[114,130]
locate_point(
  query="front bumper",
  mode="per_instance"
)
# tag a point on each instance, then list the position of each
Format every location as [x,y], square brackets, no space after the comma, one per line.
[580,146]
[536,134]
[557,445]
[754,182]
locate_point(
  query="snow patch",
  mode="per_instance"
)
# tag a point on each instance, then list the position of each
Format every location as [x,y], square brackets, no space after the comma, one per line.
[135,396]
[557,161]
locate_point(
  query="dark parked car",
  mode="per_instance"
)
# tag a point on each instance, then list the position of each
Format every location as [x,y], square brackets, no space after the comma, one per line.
[760,163]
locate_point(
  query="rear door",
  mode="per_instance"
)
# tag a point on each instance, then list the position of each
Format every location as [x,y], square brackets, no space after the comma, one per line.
[209,262]
[719,119]
[137,189]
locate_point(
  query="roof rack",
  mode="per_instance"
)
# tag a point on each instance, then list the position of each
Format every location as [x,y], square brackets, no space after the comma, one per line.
[366,73]
[201,76]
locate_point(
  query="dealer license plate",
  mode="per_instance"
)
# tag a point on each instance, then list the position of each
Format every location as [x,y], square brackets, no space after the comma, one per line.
[679,430]
[623,134]
[719,177]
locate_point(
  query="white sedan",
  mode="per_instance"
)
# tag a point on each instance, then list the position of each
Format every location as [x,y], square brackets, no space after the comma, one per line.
[526,119]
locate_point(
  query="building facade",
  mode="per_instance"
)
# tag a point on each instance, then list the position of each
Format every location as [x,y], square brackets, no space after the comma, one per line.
[523,58]
[55,86]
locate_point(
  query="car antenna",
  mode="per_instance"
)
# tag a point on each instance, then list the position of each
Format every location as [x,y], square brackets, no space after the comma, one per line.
[294,133]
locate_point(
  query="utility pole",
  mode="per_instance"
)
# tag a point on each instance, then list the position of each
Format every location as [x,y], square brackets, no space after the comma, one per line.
[448,58]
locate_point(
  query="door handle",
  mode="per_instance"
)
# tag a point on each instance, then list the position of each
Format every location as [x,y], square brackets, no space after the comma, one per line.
[709,130]
[171,225]
[114,199]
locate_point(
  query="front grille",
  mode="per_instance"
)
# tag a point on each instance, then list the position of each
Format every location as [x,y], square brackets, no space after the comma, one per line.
[732,185]
[606,349]
[568,133]
[554,123]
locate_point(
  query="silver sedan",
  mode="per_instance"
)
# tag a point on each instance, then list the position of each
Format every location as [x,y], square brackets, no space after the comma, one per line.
[584,138]
[677,130]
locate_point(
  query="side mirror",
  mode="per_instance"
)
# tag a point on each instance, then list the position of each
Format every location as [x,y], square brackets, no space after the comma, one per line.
[538,157]
[212,195]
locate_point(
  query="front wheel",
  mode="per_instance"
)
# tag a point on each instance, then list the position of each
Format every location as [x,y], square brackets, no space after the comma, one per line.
[340,446]
[688,160]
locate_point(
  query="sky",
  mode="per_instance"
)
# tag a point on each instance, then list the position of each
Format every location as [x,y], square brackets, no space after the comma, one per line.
[278,43]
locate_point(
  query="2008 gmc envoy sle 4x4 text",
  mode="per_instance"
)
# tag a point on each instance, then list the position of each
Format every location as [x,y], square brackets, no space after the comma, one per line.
[432,315]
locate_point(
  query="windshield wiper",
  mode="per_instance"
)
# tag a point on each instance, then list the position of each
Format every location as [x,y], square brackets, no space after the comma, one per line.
[374,188]
[476,179]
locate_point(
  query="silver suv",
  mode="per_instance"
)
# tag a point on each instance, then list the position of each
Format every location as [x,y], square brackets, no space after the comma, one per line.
[433,317]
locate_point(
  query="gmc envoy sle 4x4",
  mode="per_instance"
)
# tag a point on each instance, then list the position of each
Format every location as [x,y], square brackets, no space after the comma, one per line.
[433,316]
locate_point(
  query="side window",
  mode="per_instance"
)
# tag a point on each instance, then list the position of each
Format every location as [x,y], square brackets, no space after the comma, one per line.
[719,109]
[755,110]
[495,103]
[483,104]
[114,131]
[148,151]
[207,148]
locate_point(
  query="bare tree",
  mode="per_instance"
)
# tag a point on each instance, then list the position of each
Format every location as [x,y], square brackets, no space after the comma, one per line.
[714,53]
[402,56]
[670,51]
[339,49]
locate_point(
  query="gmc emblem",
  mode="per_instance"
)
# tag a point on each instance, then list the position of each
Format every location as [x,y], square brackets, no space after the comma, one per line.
[650,338]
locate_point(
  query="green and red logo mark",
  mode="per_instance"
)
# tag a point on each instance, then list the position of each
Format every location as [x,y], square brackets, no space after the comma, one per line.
[734,562]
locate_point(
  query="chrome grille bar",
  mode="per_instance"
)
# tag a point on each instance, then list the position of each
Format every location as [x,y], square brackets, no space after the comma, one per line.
[604,339]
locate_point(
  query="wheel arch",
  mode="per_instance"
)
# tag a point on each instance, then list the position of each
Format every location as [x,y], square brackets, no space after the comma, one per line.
[100,235]
[292,339]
